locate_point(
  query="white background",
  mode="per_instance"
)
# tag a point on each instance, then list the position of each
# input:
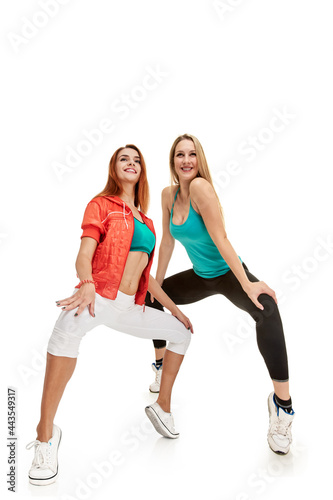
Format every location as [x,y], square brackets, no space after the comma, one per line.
[224,74]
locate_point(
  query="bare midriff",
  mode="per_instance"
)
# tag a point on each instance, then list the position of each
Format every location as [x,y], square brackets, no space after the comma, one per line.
[135,264]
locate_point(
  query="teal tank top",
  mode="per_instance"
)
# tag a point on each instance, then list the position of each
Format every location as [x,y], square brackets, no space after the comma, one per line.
[202,251]
[143,238]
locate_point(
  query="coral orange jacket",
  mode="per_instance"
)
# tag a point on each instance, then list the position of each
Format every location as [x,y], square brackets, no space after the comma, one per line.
[110,222]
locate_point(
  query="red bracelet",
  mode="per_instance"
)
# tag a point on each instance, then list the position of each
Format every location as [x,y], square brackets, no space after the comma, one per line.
[85,281]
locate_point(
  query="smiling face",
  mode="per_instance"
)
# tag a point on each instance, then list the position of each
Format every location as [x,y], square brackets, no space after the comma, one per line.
[185,160]
[128,166]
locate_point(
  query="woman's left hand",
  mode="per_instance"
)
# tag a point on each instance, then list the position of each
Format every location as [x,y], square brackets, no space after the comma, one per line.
[255,289]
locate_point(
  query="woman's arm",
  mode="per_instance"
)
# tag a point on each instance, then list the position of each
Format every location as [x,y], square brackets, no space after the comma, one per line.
[155,289]
[85,296]
[167,242]
[204,197]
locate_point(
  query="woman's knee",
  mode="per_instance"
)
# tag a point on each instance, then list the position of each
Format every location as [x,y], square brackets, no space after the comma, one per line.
[182,343]
[270,311]
[62,343]
[68,333]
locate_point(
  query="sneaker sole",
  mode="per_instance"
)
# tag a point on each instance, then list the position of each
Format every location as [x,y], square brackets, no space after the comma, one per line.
[153,392]
[48,480]
[278,452]
[43,482]
[158,424]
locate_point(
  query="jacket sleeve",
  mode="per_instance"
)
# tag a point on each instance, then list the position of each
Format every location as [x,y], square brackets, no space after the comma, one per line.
[92,223]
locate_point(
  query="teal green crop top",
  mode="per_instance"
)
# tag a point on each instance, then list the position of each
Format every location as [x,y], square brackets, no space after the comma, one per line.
[202,251]
[143,238]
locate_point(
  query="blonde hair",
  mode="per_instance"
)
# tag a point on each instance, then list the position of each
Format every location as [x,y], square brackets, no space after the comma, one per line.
[203,169]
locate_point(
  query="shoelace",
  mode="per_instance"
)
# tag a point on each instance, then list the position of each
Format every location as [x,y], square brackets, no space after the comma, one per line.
[158,373]
[42,455]
[281,427]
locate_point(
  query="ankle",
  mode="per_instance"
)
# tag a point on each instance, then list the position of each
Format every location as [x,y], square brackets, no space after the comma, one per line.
[44,432]
[159,363]
[285,404]
[165,405]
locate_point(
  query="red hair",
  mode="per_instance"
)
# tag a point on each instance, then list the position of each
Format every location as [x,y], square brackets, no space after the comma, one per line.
[113,186]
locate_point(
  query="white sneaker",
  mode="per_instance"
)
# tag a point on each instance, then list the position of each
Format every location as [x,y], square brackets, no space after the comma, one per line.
[44,468]
[279,432]
[155,386]
[162,421]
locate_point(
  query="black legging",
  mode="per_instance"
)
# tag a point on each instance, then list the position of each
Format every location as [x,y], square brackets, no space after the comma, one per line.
[187,287]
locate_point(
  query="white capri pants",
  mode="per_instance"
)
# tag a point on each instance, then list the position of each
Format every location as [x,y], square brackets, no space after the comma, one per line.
[123,315]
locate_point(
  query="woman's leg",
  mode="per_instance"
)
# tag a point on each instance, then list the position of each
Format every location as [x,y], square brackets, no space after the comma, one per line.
[183,288]
[270,335]
[270,339]
[148,323]
[63,349]
[187,287]
[281,389]
[172,362]
[160,351]
[271,343]
[120,314]
[159,413]
[59,370]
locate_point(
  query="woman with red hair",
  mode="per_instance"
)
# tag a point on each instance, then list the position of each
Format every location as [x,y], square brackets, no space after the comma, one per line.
[113,265]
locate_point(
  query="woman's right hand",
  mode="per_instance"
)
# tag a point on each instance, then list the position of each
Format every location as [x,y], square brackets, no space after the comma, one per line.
[184,319]
[85,296]
[256,288]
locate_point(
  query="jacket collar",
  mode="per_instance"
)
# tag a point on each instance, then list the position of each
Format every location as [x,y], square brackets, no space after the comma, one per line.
[120,202]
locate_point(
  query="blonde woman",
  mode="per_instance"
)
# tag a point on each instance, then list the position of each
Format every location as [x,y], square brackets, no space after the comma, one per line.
[192,214]
[113,266]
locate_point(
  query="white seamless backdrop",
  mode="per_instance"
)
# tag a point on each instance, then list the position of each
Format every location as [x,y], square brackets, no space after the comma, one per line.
[252,80]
